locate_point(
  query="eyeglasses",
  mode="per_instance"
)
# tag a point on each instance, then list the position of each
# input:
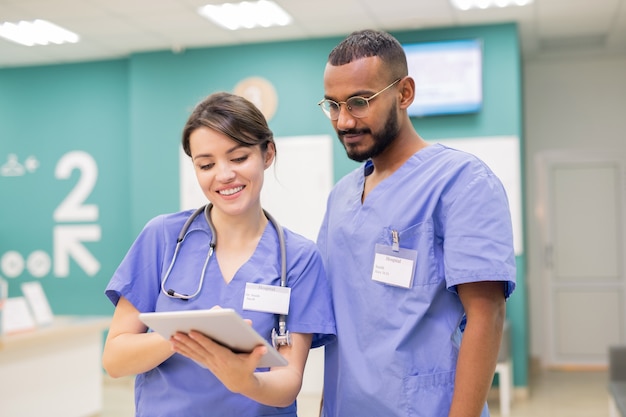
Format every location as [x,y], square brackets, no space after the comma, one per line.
[357,106]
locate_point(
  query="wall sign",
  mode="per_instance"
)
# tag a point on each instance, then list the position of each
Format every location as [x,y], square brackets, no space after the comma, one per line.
[75,221]
[260,92]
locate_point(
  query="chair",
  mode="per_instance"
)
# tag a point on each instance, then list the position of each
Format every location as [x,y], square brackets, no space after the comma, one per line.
[617,381]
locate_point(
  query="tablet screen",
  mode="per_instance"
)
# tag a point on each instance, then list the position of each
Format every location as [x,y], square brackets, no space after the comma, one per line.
[224,326]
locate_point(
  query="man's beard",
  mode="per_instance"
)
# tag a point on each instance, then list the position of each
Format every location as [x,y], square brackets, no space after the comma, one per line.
[381,140]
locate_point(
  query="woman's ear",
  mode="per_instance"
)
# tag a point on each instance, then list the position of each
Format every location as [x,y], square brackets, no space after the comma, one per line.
[270,154]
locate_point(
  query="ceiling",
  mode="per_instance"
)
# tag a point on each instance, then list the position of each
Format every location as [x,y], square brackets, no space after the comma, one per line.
[117,28]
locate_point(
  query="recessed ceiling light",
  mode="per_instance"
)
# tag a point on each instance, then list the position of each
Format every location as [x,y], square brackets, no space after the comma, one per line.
[485,4]
[246,15]
[37,32]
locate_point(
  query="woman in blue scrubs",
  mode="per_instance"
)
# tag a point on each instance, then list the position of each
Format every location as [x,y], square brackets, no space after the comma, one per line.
[230,145]
[418,248]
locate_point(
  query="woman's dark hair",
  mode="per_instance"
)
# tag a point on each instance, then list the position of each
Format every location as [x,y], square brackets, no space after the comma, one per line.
[231,115]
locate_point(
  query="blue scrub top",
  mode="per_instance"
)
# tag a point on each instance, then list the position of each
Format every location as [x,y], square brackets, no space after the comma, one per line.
[179,386]
[396,350]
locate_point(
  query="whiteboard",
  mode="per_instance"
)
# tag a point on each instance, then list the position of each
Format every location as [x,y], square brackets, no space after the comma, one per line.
[502,155]
[295,188]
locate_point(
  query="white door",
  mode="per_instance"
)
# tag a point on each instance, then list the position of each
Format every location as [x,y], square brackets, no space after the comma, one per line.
[583,233]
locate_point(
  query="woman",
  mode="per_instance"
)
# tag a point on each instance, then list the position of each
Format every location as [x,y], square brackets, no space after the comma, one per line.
[230,145]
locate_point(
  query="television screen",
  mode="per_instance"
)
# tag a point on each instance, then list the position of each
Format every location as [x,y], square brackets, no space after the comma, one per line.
[448,77]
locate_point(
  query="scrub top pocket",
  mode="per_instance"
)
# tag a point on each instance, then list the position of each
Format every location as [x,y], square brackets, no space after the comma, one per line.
[421,238]
[428,395]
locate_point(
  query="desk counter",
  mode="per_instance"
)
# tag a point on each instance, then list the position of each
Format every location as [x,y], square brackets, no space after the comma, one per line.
[53,370]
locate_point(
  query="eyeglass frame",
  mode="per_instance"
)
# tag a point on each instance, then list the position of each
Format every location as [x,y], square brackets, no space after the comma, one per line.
[339,103]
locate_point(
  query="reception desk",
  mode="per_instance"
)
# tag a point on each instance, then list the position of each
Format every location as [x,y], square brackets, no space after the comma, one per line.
[54,370]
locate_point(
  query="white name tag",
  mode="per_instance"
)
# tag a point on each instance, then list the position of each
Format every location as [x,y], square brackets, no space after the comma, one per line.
[267,298]
[394,267]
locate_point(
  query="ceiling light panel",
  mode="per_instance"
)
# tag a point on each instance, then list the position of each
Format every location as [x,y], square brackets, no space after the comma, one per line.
[37,32]
[246,15]
[486,4]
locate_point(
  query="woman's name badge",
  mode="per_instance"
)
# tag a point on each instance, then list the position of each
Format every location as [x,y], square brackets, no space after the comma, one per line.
[394,266]
[267,298]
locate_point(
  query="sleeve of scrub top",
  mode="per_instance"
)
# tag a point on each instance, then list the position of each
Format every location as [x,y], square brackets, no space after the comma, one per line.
[137,278]
[478,235]
[310,308]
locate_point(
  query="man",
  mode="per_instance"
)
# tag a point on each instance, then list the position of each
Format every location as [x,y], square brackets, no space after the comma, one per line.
[418,248]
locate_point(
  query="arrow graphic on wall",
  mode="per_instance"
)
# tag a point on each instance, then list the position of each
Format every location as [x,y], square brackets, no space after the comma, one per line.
[68,243]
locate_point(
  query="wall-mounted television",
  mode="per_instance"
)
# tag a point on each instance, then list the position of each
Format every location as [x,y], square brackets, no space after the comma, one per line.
[448,77]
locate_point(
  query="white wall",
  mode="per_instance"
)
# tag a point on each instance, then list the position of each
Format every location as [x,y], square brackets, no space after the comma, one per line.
[570,103]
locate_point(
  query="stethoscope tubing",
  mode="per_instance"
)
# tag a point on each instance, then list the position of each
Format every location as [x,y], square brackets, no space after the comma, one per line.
[283,335]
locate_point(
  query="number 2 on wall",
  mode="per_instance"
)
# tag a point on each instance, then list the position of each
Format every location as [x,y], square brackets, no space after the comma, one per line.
[69,238]
[73,207]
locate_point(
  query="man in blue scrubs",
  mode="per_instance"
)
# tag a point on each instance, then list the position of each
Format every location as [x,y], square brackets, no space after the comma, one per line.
[417,243]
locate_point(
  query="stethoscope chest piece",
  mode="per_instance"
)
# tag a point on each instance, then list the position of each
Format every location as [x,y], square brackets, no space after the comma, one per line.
[281,339]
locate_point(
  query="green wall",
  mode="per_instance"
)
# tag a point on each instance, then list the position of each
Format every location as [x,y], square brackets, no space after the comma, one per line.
[46,113]
[126,116]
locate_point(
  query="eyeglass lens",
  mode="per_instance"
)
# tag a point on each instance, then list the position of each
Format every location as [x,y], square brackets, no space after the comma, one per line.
[357,106]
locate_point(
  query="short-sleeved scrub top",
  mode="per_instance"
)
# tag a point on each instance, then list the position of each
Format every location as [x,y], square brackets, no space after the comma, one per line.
[397,346]
[179,386]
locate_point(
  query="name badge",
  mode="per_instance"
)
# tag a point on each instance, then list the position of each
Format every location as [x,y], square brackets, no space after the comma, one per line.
[394,266]
[267,298]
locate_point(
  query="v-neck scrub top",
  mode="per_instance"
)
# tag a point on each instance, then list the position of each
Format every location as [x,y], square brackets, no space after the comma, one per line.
[397,348]
[179,386]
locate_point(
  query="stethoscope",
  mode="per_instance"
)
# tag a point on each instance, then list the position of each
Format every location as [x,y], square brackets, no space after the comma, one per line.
[280,338]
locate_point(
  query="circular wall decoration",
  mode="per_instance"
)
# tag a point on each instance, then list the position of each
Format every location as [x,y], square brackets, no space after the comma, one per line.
[260,92]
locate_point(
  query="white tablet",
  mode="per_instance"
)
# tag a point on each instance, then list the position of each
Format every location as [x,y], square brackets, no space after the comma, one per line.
[223,325]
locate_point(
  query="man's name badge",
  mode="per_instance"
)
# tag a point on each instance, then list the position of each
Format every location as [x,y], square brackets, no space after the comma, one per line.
[394,267]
